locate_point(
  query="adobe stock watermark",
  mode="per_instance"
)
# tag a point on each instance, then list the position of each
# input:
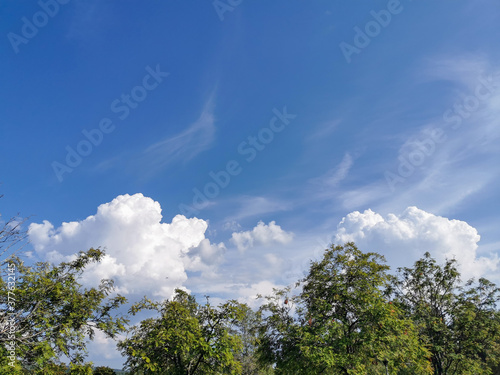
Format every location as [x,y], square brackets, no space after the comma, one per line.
[121,107]
[363,36]
[423,149]
[31,26]
[9,316]
[248,149]
[223,6]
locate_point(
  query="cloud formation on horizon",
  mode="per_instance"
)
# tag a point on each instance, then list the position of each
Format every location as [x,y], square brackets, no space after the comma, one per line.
[406,237]
[143,255]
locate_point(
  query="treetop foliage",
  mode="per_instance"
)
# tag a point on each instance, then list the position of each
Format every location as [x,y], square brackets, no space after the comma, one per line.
[53,314]
[186,338]
[348,315]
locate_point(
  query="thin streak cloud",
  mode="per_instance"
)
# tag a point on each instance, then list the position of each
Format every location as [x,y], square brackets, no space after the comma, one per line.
[186,145]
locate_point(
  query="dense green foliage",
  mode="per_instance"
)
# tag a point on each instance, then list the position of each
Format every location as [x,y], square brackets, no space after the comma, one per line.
[187,338]
[49,314]
[348,315]
[460,324]
[340,322]
[247,327]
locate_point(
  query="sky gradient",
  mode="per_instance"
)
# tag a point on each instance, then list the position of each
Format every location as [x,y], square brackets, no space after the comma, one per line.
[220,145]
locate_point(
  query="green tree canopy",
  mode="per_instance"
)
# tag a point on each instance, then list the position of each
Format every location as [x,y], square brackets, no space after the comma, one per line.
[460,323]
[340,322]
[247,328]
[187,338]
[46,313]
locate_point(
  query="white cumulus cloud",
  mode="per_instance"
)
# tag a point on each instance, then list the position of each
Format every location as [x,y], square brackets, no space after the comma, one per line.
[143,255]
[407,237]
[262,234]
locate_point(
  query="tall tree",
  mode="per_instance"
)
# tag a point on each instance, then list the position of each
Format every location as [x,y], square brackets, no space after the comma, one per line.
[46,313]
[187,338]
[340,322]
[247,328]
[460,323]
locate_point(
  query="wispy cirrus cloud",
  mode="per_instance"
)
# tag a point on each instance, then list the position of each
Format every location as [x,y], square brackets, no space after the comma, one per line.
[252,206]
[434,168]
[186,145]
[335,175]
[325,130]
[460,70]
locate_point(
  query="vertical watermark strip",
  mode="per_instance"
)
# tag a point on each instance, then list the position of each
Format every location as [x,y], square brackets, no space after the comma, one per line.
[10,329]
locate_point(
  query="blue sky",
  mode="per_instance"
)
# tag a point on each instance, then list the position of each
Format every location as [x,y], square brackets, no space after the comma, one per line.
[331,121]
